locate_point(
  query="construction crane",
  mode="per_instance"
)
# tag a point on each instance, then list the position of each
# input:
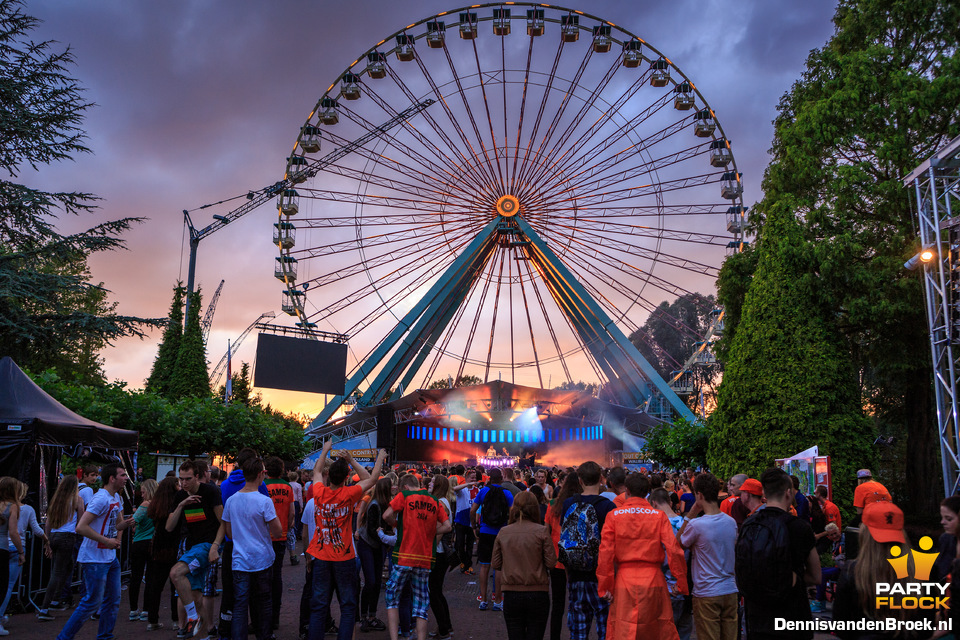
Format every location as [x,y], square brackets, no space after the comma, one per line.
[257,198]
[208,316]
[222,365]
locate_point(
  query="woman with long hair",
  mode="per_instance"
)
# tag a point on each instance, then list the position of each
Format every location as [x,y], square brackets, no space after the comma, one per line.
[884,555]
[9,531]
[558,576]
[140,548]
[370,551]
[524,554]
[63,514]
[439,488]
[541,501]
[27,520]
[163,550]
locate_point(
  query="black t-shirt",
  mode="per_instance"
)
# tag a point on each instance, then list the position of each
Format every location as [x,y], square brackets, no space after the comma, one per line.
[796,606]
[602,506]
[199,519]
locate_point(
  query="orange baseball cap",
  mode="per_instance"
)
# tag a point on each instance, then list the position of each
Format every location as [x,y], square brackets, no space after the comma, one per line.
[885,522]
[752,486]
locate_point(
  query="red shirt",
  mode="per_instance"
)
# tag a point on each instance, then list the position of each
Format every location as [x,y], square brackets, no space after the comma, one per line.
[333,513]
[727,504]
[282,495]
[418,513]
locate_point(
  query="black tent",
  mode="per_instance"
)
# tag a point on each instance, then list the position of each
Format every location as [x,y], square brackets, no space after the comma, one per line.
[35,430]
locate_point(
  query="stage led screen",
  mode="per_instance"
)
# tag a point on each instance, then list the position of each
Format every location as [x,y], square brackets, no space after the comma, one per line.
[298,364]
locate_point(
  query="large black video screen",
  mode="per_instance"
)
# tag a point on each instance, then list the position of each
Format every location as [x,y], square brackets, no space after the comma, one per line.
[299,364]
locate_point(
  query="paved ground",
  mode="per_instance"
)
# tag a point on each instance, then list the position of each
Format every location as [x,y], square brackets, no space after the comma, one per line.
[468,621]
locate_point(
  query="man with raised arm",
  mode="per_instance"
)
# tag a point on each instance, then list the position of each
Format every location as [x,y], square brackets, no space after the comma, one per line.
[334,558]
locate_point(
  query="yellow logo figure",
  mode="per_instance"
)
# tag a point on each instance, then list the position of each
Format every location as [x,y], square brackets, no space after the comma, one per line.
[923,562]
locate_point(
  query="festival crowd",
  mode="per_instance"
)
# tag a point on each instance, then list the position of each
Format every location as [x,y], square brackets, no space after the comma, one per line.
[639,555]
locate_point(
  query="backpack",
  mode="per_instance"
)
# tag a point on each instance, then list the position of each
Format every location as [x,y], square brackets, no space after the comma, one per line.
[496,511]
[579,545]
[764,568]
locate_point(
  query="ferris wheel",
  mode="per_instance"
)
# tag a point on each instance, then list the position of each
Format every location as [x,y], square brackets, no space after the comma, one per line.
[505,192]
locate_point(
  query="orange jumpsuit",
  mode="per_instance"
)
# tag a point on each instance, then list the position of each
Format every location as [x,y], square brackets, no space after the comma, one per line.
[631,553]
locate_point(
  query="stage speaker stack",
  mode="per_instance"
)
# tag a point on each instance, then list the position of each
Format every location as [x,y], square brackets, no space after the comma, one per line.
[386,431]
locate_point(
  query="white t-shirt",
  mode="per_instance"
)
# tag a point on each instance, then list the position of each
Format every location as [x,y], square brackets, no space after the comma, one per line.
[309,520]
[106,508]
[712,540]
[248,513]
[609,495]
[86,494]
[297,492]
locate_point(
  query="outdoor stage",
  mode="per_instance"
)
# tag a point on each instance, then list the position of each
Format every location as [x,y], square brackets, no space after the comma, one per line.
[461,425]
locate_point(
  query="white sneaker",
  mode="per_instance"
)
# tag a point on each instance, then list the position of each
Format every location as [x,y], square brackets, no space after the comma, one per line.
[3,632]
[134,616]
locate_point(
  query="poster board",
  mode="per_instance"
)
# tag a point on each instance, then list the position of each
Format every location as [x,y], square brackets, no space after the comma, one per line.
[813,471]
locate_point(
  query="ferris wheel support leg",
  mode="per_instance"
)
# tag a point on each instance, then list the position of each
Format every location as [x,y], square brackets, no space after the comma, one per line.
[478,249]
[628,358]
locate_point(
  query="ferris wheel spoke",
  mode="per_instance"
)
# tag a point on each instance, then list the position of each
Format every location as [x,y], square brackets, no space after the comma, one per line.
[490,173]
[419,218]
[587,154]
[661,256]
[432,268]
[536,174]
[493,322]
[373,241]
[547,321]
[447,165]
[598,178]
[533,338]
[631,270]
[523,110]
[557,150]
[486,106]
[654,210]
[393,184]
[455,125]
[579,143]
[621,228]
[371,263]
[476,320]
[617,195]
[527,161]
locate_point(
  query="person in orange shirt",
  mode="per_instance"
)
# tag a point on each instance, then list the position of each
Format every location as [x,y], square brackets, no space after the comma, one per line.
[631,553]
[830,510]
[281,493]
[334,564]
[868,491]
[733,487]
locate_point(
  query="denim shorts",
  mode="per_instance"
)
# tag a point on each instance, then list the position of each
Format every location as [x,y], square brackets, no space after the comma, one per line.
[197,559]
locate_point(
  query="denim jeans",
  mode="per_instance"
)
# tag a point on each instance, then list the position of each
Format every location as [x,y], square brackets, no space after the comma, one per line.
[62,545]
[371,561]
[326,574]
[280,552]
[14,565]
[102,585]
[252,588]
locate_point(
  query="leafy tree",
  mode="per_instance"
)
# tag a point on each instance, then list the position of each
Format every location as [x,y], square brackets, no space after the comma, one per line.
[580,385]
[788,384]
[242,388]
[679,445]
[162,373]
[872,104]
[190,425]
[190,376]
[671,335]
[51,315]
[466,380]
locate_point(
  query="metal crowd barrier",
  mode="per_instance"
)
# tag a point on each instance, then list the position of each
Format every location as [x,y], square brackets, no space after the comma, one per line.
[31,586]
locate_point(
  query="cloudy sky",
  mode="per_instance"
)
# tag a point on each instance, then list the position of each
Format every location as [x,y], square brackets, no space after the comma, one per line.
[202,101]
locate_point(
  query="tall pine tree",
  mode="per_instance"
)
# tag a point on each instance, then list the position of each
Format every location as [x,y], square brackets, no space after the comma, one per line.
[161,375]
[190,376]
[788,384]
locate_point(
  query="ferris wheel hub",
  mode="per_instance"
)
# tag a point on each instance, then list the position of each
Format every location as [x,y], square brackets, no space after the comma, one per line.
[508,206]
